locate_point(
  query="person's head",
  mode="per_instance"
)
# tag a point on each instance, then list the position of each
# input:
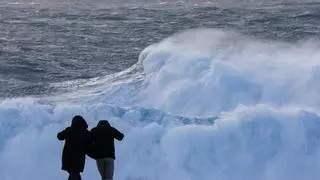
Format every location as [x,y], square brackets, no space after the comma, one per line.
[103,123]
[79,122]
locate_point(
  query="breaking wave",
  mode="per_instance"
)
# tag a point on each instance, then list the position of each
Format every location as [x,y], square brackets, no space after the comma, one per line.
[202,104]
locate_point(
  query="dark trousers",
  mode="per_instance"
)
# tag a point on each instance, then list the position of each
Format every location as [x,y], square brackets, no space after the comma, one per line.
[74,176]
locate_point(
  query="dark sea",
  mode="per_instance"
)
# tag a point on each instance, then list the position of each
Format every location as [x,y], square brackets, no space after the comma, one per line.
[42,43]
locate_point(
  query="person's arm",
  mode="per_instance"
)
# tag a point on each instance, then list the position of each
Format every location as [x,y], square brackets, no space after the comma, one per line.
[117,134]
[62,135]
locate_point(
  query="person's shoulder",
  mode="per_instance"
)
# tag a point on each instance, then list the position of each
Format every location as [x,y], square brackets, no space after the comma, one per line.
[64,133]
[87,132]
[113,128]
[67,129]
[93,129]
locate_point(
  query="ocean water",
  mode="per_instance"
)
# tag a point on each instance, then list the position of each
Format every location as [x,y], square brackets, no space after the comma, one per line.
[203,90]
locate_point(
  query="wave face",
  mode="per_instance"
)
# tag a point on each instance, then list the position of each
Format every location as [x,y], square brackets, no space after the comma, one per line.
[218,70]
[202,104]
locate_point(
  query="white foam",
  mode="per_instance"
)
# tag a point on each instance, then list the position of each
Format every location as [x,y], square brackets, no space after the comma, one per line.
[253,143]
[264,94]
[204,72]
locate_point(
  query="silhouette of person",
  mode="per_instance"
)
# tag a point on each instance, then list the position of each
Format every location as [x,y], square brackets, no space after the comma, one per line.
[102,149]
[77,139]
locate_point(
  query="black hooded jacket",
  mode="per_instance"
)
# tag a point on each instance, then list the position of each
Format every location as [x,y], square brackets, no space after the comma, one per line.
[77,140]
[103,136]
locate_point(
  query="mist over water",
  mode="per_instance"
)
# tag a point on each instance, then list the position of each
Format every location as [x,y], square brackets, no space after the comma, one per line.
[237,100]
[219,70]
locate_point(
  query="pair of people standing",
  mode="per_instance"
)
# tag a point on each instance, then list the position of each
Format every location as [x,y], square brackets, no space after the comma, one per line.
[97,144]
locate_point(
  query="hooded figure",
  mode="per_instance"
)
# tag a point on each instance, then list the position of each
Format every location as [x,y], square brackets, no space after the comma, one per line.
[102,149]
[77,139]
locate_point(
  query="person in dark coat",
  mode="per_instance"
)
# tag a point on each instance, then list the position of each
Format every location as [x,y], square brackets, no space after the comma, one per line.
[77,140]
[102,149]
